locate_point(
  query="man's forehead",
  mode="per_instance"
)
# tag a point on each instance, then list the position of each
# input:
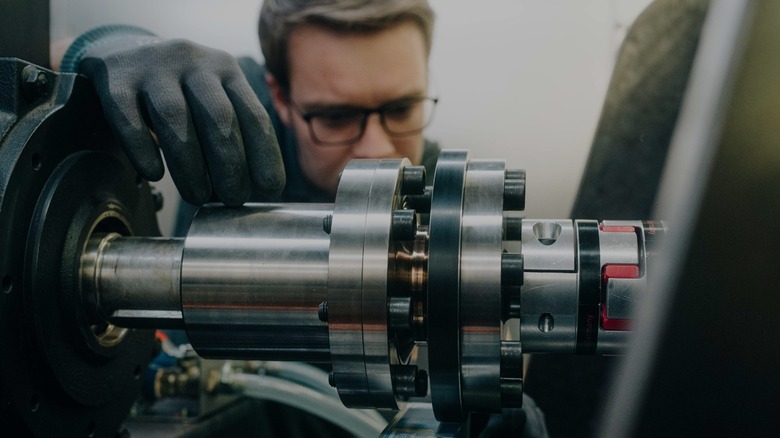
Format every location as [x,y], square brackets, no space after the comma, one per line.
[359,69]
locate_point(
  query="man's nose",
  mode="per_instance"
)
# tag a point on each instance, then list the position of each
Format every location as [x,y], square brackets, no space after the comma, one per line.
[375,142]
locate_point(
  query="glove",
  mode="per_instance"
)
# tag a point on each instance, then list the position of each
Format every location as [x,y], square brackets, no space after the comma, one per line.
[213,131]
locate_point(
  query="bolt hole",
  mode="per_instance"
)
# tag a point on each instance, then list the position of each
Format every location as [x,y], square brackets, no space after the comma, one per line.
[36,161]
[8,284]
[547,232]
[546,322]
[35,403]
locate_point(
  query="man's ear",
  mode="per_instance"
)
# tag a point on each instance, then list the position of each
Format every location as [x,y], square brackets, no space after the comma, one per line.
[279,99]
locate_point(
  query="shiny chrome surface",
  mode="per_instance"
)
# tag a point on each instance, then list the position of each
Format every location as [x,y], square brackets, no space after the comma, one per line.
[548,245]
[358,282]
[253,279]
[135,281]
[379,243]
[548,322]
[620,247]
[480,286]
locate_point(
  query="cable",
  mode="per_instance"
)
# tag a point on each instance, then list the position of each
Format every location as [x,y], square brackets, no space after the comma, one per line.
[311,377]
[312,401]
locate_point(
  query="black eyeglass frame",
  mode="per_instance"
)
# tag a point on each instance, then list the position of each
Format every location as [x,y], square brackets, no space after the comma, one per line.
[364,113]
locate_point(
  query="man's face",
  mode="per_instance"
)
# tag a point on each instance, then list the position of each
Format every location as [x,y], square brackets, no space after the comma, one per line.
[331,70]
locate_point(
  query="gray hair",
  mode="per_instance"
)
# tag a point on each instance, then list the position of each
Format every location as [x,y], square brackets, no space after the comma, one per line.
[278,18]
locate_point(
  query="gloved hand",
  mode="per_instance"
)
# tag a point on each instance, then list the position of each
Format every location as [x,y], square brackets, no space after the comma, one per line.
[210,125]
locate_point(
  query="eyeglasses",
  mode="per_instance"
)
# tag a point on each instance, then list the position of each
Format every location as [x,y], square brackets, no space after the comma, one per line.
[344,125]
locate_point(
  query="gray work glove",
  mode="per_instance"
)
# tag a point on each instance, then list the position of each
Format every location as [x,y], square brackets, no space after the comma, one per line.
[210,125]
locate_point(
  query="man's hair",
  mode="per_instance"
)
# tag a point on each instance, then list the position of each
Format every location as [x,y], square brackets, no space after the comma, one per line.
[278,18]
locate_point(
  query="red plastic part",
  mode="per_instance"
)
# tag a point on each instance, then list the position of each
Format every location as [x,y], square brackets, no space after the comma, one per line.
[616,271]
[617,229]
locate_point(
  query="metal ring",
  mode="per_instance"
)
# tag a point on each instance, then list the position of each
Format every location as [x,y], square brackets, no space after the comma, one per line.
[480,286]
[444,285]
[357,282]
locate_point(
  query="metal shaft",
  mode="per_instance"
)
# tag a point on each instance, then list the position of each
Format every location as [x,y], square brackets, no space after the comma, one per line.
[133,282]
[253,280]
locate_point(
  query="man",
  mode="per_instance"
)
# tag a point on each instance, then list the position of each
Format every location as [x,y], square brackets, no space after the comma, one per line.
[329,65]
[344,80]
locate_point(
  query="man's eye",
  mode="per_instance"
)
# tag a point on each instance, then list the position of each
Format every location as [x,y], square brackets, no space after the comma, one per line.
[400,111]
[338,119]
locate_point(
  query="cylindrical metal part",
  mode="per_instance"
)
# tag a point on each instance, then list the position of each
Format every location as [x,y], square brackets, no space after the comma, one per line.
[481,277]
[513,228]
[511,269]
[409,381]
[511,359]
[413,180]
[400,312]
[404,225]
[549,296]
[253,280]
[514,190]
[322,312]
[134,281]
[511,374]
[548,305]
[359,266]
[420,203]
[511,393]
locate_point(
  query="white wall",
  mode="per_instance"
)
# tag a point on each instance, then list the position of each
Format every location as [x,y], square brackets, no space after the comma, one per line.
[522,80]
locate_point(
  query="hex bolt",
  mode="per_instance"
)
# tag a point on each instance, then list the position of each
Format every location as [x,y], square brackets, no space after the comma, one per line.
[511,374]
[421,383]
[413,180]
[409,381]
[157,199]
[400,312]
[327,223]
[420,203]
[514,190]
[511,269]
[513,228]
[404,224]
[511,360]
[35,84]
[322,311]
[511,392]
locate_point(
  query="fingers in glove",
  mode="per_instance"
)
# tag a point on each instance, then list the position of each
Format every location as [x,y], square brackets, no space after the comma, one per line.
[123,111]
[262,149]
[220,137]
[172,122]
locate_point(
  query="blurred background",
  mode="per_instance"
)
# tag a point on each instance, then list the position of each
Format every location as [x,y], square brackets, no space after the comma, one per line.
[522,80]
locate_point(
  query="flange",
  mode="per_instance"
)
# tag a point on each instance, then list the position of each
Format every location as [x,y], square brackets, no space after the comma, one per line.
[62,176]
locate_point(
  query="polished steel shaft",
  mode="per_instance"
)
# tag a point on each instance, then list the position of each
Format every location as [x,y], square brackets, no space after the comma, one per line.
[133,282]
[252,282]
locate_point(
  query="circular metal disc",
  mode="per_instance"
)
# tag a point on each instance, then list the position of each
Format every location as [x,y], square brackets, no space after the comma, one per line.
[480,286]
[357,282]
[444,285]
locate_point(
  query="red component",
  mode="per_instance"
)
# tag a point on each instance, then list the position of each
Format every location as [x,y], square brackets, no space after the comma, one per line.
[616,271]
[619,271]
[617,229]
[614,324]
